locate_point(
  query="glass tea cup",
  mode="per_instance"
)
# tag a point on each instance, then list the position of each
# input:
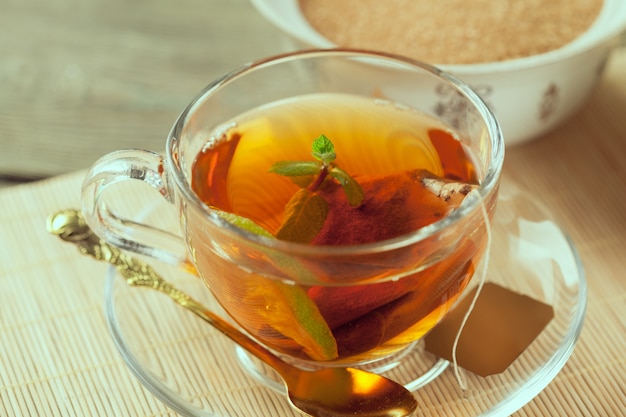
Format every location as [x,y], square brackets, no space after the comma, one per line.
[374,283]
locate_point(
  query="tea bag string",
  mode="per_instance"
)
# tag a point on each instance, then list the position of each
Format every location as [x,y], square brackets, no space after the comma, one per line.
[460,377]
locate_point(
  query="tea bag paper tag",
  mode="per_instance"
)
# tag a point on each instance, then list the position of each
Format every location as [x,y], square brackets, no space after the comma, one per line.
[500,327]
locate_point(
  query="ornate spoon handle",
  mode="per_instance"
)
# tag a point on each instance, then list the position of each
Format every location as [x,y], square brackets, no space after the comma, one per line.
[330,391]
[70,226]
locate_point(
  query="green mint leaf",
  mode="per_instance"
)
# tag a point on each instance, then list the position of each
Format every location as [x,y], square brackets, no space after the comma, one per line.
[353,190]
[243,223]
[295,168]
[304,217]
[308,327]
[324,150]
[287,264]
[302,321]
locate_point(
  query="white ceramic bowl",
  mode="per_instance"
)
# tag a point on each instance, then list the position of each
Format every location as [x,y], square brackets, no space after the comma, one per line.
[529,96]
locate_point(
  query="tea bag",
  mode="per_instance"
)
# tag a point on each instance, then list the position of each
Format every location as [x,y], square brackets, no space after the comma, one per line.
[501,326]
[394,205]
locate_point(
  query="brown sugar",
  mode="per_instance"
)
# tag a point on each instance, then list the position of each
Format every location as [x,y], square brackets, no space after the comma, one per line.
[453,31]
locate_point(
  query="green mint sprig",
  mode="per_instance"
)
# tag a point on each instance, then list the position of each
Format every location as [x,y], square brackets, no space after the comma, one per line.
[306,211]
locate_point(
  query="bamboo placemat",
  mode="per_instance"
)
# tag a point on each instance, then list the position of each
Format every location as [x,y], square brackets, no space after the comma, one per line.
[57,358]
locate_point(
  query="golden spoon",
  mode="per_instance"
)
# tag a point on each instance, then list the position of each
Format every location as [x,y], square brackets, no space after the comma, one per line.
[322,393]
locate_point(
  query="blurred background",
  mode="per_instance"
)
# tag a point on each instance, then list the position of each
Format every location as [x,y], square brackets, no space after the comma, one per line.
[79,78]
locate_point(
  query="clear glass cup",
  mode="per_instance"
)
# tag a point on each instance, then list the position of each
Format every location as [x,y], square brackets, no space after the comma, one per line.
[316,305]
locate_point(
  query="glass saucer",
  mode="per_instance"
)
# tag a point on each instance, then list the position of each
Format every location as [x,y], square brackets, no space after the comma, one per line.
[196,371]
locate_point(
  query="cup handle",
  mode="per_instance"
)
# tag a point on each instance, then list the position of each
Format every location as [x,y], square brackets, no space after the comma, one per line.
[124,165]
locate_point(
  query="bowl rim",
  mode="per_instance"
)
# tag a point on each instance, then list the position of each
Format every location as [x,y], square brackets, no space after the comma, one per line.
[605,30]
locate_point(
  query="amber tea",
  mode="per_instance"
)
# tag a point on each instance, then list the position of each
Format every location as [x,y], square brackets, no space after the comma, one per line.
[332,217]
[412,171]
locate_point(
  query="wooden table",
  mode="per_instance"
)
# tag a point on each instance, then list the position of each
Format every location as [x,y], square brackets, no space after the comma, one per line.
[81,78]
